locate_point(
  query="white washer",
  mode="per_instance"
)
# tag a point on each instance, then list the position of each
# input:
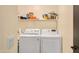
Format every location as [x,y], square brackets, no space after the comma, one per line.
[29,41]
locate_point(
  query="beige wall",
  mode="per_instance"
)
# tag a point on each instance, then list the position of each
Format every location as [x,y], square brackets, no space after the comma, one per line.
[65,27]
[8,26]
[1,34]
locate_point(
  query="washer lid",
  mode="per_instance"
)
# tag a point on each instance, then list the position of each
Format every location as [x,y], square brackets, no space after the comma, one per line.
[30,32]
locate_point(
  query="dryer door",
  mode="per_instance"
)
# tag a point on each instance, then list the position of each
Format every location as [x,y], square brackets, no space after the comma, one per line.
[50,45]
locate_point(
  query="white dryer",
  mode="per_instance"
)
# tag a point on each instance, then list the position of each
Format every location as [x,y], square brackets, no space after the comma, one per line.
[50,41]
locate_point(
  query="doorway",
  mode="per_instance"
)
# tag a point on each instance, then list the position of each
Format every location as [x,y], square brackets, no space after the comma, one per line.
[75,46]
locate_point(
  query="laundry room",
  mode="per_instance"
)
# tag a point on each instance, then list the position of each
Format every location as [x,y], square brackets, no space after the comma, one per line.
[36,29]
